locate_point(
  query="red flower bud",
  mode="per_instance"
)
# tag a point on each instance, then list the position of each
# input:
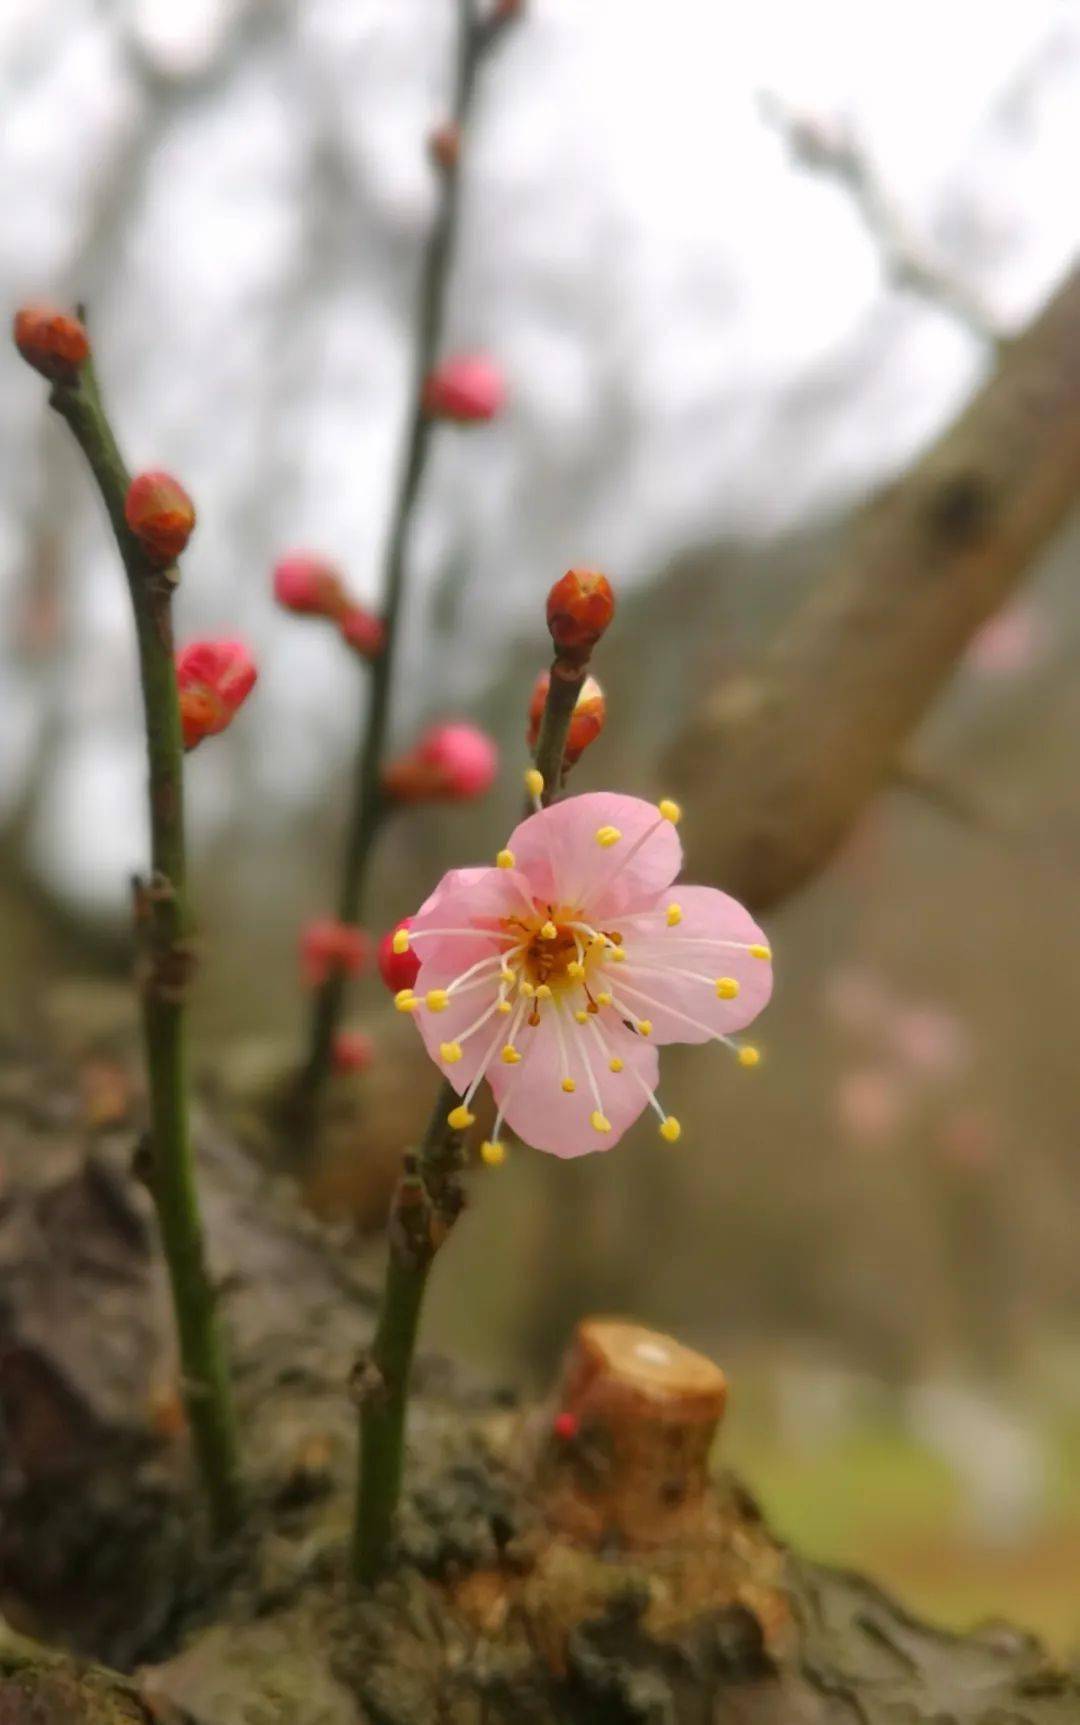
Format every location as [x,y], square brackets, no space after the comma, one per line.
[328,947]
[160,514]
[398,969]
[308,585]
[450,763]
[586,721]
[214,678]
[363,631]
[444,145]
[53,342]
[565,1427]
[352,1051]
[467,388]
[579,608]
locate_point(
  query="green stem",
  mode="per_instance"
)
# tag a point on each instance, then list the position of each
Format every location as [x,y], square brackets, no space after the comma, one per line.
[564,688]
[368,807]
[426,1205]
[163,924]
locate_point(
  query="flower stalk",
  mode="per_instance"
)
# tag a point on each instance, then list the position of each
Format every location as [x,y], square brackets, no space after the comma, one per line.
[163,930]
[369,806]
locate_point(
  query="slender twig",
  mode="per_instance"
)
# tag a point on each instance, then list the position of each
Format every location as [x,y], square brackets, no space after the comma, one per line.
[369,807]
[164,929]
[428,1200]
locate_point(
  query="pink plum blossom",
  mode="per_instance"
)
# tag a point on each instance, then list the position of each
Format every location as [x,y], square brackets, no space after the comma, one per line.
[558,973]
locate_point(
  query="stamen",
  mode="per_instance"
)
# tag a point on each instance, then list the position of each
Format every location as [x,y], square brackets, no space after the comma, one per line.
[598,1112]
[599,1122]
[569,1086]
[673,1012]
[505,859]
[603,999]
[405,1000]
[549,931]
[670,1129]
[474,933]
[460,1118]
[581,1016]
[504,1006]
[575,970]
[510,1055]
[543,991]
[670,811]
[749,1056]
[400,942]
[674,915]
[759,952]
[727,988]
[607,836]
[615,1064]
[493,1153]
[567,1083]
[450,1052]
[437,1000]
[534,782]
[492,962]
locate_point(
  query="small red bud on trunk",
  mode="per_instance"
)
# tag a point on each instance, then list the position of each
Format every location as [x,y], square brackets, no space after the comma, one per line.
[586,723]
[329,948]
[213,679]
[469,388]
[52,341]
[450,763]
[352,1051]
[311,586]
[363,631]
[160,514]
[580,607]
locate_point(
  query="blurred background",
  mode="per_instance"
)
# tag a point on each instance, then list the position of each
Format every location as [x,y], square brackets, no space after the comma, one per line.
[738,269]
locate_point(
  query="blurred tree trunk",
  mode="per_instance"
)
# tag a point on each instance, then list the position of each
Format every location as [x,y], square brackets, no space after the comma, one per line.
[783,756]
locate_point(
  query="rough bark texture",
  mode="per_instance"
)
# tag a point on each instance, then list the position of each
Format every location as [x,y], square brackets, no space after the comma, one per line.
[493,1616]
[783,757]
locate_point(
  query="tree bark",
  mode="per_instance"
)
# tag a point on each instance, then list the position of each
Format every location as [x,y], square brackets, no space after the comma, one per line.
[783,756]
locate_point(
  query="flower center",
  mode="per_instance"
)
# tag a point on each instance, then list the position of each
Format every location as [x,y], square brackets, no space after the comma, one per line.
[560,949]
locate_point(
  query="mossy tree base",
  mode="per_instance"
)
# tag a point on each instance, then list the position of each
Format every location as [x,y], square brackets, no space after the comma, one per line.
[490,1616]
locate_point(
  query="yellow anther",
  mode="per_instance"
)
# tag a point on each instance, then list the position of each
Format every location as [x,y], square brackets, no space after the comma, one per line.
[674,915]
[460,1117]
[617,955]
[726,988]
[527,990]
[670,1129]
[645,1026]
[581,1017]
[507,975]
[615,1064]
[607,836]
[603,999]
[405,1000]
[493,1153]
[505,1007]
[569,1086]
[451,1052]
[549,931]
[575,969]
[759,952]
[505,859]
[749,1056]
[400,942]
[670,811]
[510,1055]
[534,782]
[437,1000]
[599,1122]
[543,991]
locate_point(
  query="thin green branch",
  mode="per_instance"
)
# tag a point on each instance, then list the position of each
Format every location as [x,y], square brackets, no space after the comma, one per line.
[164,931]
[368,807]
[564,687]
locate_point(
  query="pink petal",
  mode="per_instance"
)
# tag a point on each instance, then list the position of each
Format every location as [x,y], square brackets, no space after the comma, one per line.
[558,851]
[542,1114]
[658,959]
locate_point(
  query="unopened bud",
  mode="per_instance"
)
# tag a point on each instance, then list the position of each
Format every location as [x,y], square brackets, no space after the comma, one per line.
[398,970]
[579,608]
[160,514]
[444,145]
[309,585]
[213,678]
[586,722]
[363,631]
[468,388]
[52,341]
[450,763]
[565,1426]
[330,948]
[352,1051]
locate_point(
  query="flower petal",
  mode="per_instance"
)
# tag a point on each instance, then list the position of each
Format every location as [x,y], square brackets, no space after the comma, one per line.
[543,1114]
[670,972]
[557,849]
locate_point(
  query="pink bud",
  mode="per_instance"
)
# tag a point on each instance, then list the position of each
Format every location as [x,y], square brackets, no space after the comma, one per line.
[213,678]
[309,585]
[467,388]
[329,948]
[398,969]
[352,1051]
[565,1427]
[586,721]
[450,763]
[160,514]
[363,631]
